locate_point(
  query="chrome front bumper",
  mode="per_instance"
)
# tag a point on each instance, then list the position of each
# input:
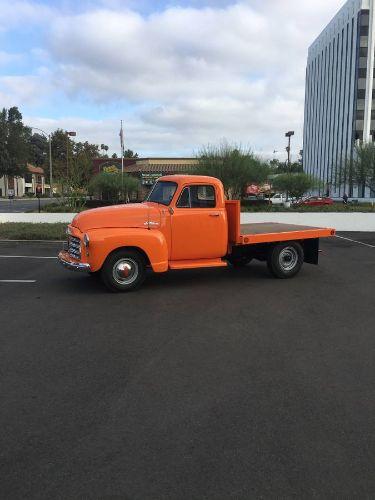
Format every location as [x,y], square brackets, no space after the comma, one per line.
[66,261]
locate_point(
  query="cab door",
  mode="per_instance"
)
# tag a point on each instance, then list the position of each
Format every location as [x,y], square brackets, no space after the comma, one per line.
[199,224]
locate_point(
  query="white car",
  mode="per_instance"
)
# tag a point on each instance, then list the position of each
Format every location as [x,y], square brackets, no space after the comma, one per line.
[278,199]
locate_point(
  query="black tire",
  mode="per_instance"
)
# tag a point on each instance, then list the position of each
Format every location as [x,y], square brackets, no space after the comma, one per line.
[285,259]
[124,271]
[240,261]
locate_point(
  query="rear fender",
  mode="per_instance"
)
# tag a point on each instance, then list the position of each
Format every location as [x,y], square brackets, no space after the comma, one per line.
[151,242]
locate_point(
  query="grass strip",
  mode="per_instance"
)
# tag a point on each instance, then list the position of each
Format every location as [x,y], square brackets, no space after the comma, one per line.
[31,231]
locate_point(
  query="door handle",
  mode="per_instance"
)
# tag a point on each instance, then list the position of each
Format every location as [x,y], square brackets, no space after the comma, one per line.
[214,215]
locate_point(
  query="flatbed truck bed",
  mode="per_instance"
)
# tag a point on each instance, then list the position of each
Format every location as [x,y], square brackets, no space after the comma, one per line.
[267,232]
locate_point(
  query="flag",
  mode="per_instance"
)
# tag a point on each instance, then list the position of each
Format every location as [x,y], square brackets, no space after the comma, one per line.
[121,134]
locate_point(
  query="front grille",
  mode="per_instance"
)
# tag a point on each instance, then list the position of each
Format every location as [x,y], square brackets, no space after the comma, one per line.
[74,248]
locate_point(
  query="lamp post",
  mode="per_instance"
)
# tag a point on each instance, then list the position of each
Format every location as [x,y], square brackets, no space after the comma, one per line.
[68,134]
[289,135]
[49,136]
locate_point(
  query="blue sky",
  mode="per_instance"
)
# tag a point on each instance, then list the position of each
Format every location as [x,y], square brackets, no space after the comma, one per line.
[180,73]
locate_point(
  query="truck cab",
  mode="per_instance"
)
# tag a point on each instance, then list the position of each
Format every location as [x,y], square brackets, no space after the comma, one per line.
[184,223]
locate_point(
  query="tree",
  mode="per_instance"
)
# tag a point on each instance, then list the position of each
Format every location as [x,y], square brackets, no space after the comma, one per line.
[279,167]
[234,166]
[38,151]
[62,148]
[104,148]
[295,185]
[90,150]
[14,143]
[130,154]
[113,186]
[363,165]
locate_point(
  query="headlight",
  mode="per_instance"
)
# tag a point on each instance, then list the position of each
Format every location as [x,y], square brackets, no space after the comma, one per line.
[86,240]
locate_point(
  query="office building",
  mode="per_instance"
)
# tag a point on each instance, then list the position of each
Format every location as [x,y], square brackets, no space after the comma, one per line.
[340,97]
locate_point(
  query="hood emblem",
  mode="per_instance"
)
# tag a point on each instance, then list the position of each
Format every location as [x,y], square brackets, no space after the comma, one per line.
[151,223]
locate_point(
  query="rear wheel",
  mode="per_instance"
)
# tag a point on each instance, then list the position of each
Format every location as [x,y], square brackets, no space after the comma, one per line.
[285,259]
[124,270]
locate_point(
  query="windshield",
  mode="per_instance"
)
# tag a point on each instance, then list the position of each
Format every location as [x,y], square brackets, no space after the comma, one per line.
[162,192]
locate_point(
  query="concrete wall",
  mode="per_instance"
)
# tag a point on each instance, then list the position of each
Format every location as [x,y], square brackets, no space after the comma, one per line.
[340,221]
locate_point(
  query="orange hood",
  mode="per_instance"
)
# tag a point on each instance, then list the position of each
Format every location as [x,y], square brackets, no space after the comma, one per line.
[130,215]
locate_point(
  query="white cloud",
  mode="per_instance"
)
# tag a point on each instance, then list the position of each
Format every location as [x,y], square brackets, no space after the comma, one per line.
[7,57]
[14,14]
[25,89]
[191,75]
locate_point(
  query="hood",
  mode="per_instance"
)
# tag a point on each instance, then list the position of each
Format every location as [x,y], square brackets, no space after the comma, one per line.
[129,215]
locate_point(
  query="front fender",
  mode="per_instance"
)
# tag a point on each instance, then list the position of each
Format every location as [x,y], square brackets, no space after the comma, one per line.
[106,240]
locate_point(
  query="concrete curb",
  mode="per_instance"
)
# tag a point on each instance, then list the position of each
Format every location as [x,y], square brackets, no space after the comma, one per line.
[36,217]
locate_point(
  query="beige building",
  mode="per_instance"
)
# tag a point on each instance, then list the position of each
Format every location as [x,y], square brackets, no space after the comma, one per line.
[147,170]
[32,183]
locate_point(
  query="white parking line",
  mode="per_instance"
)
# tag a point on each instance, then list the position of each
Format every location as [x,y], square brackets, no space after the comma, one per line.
[17,281]
[355,241]
[32,241]
[24,257]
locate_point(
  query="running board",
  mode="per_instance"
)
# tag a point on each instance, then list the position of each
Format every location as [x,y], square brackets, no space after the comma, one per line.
[193,264]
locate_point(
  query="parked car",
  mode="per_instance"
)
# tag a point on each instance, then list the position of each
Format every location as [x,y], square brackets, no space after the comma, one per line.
[316,201]
[255,201]
[280,199]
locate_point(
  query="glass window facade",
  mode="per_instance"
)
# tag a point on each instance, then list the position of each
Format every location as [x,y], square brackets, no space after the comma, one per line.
[337,82]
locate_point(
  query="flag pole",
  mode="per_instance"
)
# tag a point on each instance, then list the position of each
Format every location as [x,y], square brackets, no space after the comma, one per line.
[122,158]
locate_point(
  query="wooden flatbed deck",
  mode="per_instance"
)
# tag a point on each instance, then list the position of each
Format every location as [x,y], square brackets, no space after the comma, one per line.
[267,232]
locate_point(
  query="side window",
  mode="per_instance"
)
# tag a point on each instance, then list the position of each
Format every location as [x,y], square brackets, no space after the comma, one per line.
[197,197]
[184,199]
[202,197]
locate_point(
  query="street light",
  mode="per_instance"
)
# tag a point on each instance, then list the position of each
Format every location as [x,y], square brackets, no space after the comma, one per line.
[68,134]
[49,136]
[289,135]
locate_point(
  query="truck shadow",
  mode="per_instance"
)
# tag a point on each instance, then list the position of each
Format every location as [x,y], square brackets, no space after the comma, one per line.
[76,284]
[199,277]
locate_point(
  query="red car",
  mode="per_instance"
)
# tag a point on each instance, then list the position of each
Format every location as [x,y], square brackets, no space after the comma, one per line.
[316,201]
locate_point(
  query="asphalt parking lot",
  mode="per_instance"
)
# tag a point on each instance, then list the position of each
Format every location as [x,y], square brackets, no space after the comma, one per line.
[213,384]
[20,205]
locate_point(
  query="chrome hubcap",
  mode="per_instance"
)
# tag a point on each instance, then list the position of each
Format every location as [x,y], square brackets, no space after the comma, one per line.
[125,271]
[288,258]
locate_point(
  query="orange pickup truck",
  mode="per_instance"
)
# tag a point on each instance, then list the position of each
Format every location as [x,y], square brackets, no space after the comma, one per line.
[185,223]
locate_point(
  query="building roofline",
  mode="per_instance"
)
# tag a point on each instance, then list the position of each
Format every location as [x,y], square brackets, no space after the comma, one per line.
[349,5]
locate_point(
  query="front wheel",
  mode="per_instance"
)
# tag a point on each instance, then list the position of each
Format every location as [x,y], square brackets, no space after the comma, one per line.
[124,270]
[285,259]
